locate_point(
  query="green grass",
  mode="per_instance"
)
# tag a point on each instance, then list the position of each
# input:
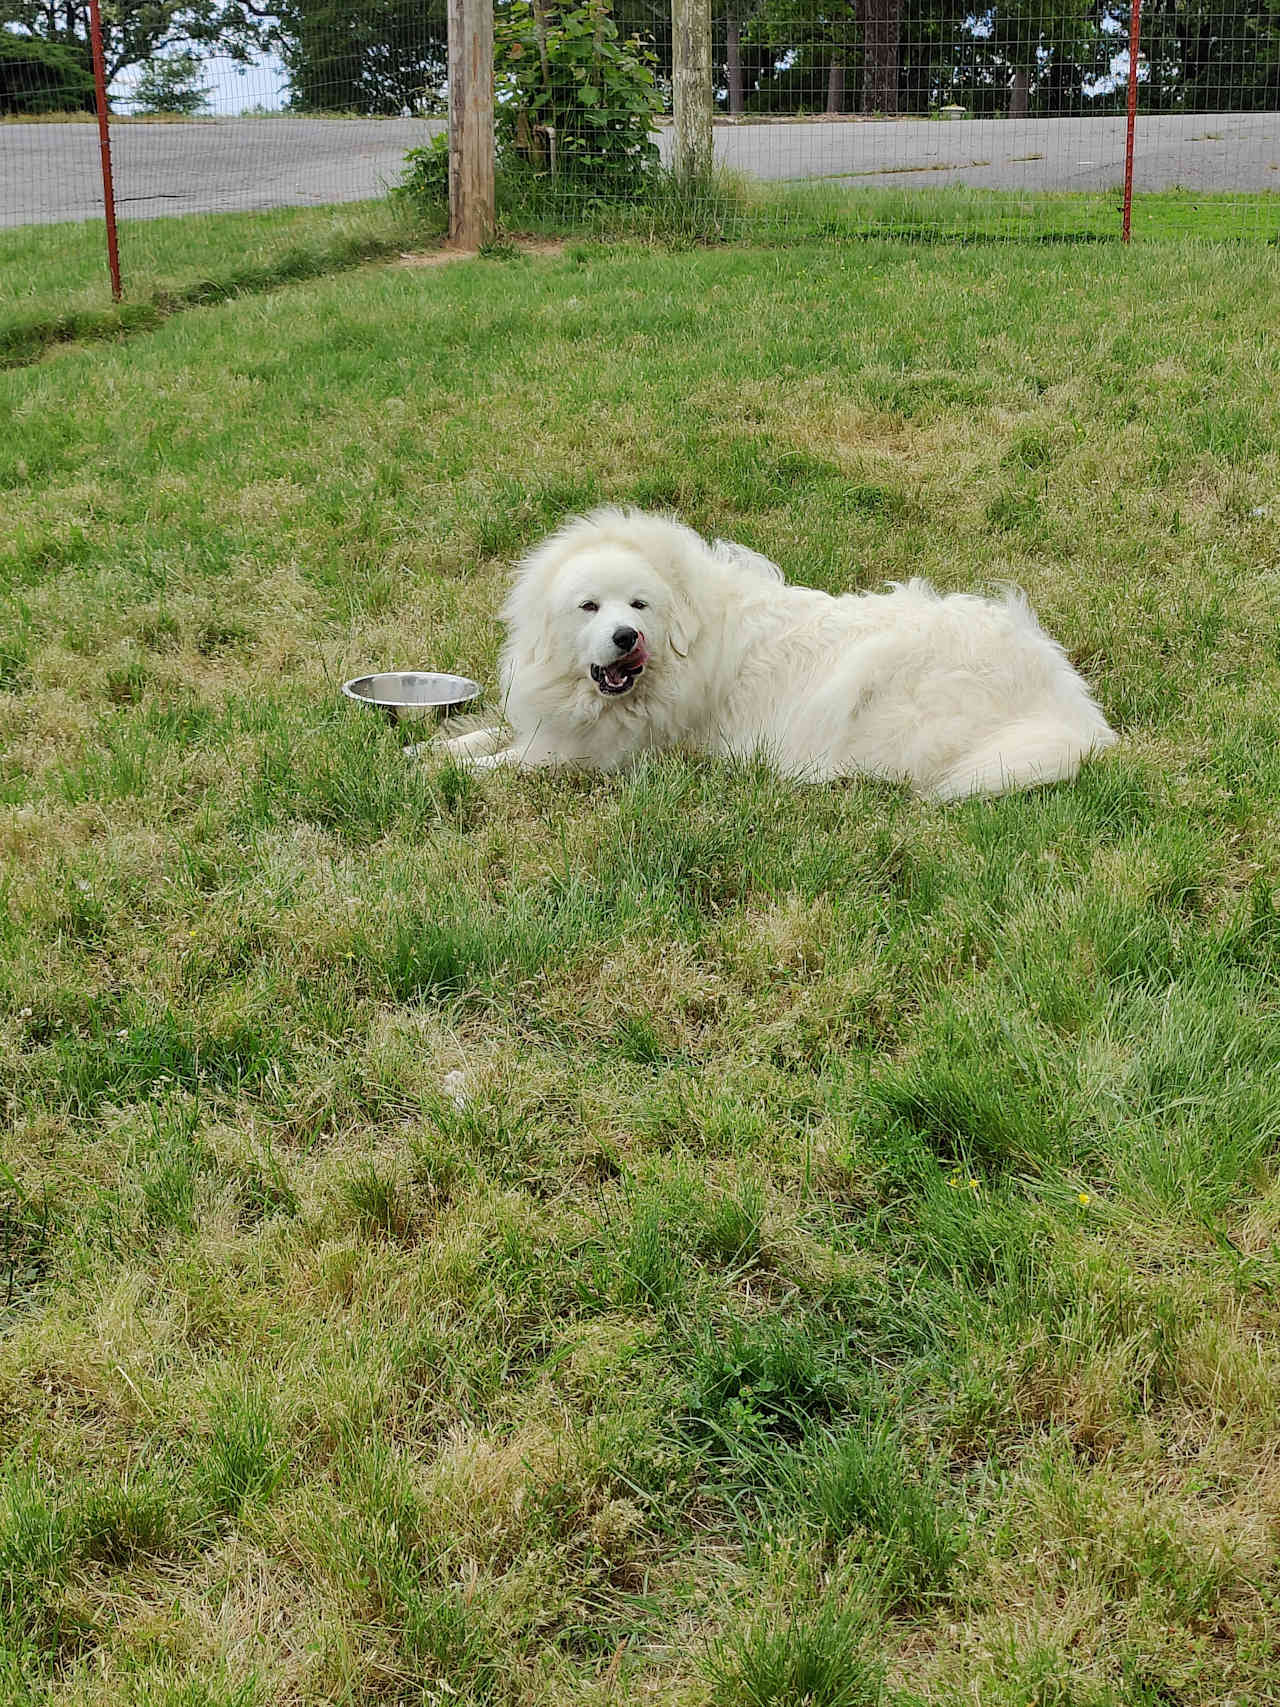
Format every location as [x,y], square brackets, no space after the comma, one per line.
[842,207]
[542,1239]
[54,283]
[1084,216]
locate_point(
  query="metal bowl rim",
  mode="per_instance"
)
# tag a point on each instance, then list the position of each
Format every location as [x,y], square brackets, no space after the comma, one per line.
[473,690]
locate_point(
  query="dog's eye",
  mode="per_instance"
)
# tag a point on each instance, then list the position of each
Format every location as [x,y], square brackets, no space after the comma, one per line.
[639,604]
[588,604]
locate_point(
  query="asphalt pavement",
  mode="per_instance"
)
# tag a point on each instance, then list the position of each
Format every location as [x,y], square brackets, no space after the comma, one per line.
[51,172]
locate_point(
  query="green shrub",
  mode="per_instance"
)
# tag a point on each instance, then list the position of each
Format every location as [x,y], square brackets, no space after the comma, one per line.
[575,101]
[425,185]
[42,77]
[172,85]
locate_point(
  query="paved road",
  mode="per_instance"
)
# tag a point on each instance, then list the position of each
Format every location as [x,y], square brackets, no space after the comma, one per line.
[49,172]
[1205,152]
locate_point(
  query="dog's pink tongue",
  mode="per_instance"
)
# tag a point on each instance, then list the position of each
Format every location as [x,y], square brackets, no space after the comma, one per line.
[636,659]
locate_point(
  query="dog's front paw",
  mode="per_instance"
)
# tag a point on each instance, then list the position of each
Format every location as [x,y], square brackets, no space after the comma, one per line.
[468,746]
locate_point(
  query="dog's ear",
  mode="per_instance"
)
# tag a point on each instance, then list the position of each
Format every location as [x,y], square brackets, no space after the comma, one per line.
[526,613]
[685,627]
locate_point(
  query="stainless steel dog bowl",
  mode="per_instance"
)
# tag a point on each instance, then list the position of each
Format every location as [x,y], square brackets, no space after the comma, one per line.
[412,693]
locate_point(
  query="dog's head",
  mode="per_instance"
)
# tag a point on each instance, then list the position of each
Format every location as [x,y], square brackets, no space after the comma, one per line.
[606,603]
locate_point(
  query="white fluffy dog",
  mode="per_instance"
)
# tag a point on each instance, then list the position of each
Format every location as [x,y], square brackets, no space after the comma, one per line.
[627,633]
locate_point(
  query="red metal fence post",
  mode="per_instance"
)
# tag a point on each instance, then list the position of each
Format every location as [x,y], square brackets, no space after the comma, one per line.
[104,143]
[1135,23]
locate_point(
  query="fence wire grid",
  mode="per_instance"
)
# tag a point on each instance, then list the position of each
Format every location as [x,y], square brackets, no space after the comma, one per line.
[913,116]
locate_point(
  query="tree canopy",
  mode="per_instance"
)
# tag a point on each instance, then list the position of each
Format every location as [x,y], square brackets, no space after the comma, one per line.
[172,85]
[135,32]
[364,56]
[42,77]
[1017,56]
[888,56]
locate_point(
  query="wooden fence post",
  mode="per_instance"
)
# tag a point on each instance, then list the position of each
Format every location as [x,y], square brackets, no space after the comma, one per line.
[471,209]
[691,92]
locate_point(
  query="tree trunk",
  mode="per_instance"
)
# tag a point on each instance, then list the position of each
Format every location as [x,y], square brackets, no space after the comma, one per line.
[540,32]
[733,62]
[835,85]
[1018,94]
[881,22]
[691,92]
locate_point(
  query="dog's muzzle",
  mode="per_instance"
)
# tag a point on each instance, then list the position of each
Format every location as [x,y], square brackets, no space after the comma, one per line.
[621,676]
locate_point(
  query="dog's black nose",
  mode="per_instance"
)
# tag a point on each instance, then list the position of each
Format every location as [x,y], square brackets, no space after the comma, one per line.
[625,638]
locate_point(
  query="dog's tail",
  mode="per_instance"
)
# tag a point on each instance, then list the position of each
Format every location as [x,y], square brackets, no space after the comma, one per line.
[1027,754]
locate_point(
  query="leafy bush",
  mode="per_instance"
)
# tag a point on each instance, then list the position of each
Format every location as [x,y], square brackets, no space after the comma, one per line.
[42,77]
[425,184]
[575,101]
[385,57]
[172,85]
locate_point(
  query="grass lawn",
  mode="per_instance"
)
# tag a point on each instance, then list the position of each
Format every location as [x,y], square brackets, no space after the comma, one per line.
[848,1271]
[54,284]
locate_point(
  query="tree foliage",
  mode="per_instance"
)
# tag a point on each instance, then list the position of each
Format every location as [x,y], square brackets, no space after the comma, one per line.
[1022,58]
[390,56]
[135,32]
[574,98]
[42,77]
[1016,56]
[1204,57]
[364,56]
[171,85]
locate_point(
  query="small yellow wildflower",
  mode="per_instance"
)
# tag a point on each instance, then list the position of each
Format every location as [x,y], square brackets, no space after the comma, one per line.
[1082,1197]
[973,1185]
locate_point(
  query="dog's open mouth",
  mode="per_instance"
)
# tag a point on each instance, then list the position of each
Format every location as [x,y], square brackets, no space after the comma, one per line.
[622,675]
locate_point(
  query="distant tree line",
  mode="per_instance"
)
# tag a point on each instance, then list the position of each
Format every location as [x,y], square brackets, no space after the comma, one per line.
[135,34]
[38,76]
[1024,57]
[364,56]
[773,56]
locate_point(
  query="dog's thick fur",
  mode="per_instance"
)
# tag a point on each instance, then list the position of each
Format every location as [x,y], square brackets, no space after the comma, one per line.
[956,695]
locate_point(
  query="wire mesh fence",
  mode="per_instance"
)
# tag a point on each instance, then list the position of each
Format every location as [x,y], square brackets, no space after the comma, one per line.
[929,116]
[924,116]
